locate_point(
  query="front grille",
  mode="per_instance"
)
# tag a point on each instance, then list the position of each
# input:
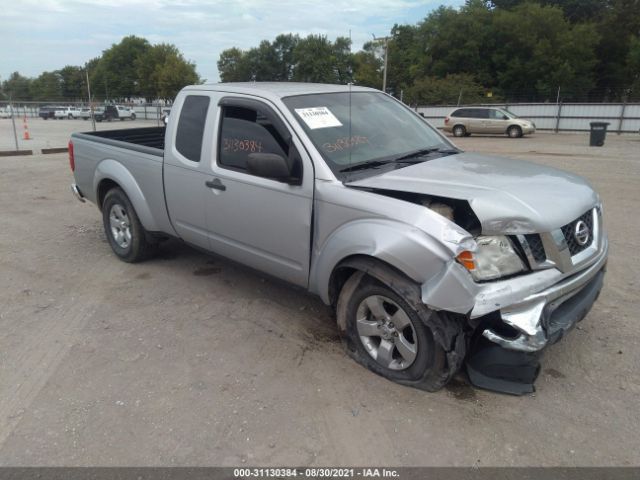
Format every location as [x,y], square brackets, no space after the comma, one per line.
[535,245]
[569,233]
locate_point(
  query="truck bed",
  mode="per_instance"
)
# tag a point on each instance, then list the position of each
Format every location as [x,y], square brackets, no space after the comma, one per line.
[150,137]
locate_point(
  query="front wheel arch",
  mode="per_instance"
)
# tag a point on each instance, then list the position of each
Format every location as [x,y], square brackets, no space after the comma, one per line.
[378,269]
[448,330]
[517,129]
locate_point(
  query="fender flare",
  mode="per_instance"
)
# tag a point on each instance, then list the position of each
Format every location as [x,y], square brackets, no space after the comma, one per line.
[110,169]
[389,241]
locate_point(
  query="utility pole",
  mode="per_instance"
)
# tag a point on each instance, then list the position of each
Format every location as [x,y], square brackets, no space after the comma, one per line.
[93,119]
[386,60]
[13,121]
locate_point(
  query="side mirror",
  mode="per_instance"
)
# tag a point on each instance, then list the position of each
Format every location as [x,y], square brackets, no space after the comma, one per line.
[268,165]
[504,117]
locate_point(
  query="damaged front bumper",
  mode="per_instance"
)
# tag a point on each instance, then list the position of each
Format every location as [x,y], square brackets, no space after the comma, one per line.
[536,316]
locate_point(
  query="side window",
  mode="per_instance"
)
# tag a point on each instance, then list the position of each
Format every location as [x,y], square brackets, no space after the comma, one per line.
[458,113]
[496,115]
[245,131]
[191,126]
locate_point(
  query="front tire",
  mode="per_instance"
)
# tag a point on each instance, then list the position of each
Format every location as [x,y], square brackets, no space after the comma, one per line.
[123,229]
[390,337]
[133,116]
[514,132]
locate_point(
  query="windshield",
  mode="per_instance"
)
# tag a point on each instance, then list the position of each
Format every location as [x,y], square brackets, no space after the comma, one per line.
[509,114]
[380,129]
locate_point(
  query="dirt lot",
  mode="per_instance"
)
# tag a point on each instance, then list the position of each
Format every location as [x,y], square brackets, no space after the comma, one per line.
[191,360]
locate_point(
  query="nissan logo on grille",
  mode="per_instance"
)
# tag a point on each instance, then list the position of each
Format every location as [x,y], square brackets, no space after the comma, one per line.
[581,233]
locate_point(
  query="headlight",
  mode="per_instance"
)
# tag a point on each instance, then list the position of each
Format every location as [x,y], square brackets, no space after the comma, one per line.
[494,258]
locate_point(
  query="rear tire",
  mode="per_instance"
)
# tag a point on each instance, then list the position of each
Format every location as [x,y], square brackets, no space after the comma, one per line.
[514,131]
[126,235]
[133,116]
[459,131]
[386,334]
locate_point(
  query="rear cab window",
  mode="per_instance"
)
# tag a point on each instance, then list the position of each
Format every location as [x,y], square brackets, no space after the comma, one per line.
[193,116]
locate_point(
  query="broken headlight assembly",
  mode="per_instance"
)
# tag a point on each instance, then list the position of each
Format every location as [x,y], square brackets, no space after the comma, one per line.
[494,258]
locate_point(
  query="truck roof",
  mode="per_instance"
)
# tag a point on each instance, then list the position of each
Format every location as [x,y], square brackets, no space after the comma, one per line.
[278,89]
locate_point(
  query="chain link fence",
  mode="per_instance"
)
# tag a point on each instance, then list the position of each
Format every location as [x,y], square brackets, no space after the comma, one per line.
[30,109]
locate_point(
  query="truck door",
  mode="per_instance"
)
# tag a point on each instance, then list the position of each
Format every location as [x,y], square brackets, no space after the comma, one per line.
[261,222]
[188,143]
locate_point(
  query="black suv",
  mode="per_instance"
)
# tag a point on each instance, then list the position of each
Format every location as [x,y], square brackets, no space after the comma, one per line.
[109,113]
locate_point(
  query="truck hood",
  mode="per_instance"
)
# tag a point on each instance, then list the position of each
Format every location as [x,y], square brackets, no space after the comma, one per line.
[508,196]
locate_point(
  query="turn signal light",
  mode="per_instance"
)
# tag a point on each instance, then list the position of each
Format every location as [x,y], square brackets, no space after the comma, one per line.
[467,260]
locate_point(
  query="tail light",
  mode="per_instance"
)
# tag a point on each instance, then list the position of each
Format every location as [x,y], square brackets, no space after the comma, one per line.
[446,119]
[72,160]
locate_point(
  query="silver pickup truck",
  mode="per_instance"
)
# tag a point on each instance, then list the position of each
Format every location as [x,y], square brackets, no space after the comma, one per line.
[435,260]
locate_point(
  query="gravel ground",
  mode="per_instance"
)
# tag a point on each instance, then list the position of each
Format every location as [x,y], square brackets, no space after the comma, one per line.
[189,359]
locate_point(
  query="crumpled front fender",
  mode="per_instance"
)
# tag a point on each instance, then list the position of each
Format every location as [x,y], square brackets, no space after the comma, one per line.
[406,248]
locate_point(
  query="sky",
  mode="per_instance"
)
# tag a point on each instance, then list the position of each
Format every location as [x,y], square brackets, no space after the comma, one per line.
[44,35]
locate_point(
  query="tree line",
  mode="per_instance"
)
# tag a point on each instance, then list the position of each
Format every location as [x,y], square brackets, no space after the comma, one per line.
[518,50]
[129,69]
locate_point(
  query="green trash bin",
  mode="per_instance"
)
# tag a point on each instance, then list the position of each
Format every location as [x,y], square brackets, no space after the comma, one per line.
[598,133]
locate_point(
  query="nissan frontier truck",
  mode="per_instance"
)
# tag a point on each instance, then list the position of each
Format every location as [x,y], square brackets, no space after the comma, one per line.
[435,260]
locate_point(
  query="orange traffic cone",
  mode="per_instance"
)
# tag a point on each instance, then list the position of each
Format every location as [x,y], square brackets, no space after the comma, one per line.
[26,129]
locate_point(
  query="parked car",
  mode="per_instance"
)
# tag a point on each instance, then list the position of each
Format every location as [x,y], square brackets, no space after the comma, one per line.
[85,113]
[431,257]
[114,112]
[47,112]
[164,117]
[125,112]
[465,121]
[6,112]
[66,112]
[106,113]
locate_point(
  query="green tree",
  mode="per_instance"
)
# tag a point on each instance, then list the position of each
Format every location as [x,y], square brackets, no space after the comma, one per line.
[48,86]
[537,51]
[174,74]
[633,68]
[17,87]
[73,83]
[458,41]
[284,46]
[317,59]
[233,66]
[115,75]
[162,71]
[445,91]
[617,28]
[367,67]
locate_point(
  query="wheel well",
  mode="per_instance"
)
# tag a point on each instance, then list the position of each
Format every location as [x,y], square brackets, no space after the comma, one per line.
[104,186]
[512,126]
[359,263]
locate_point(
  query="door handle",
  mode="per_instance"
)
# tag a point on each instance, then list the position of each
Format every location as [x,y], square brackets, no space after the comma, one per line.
[217,184]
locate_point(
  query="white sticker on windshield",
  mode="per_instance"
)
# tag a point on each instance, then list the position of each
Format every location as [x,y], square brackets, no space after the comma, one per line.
[318,117]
